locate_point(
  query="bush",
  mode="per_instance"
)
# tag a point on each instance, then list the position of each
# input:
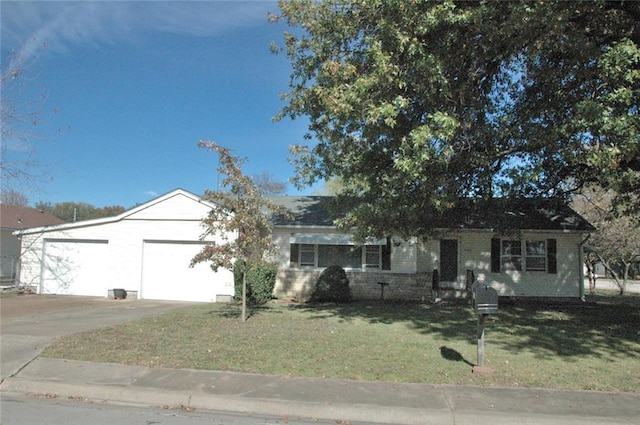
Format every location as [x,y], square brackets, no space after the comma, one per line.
[332,285]
[261,279]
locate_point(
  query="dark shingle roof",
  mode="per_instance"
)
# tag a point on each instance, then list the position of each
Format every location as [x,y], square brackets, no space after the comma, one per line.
[496,214]
[514,214]
[305,210]
[18,218]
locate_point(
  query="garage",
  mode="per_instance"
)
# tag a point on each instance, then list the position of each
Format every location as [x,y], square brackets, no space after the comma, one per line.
[145,251]
[166,274]
[75,267]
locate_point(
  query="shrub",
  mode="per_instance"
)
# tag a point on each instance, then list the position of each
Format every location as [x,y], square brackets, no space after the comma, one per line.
[261,279]
[332,285]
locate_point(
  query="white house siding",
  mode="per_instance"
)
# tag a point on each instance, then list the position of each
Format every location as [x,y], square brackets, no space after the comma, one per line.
[174,217]
[424,256]
[177,207]
[281,239]
[475,254]
[293,282]
[404,254]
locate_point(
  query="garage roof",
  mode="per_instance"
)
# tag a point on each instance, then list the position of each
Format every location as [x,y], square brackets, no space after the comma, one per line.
[97,221]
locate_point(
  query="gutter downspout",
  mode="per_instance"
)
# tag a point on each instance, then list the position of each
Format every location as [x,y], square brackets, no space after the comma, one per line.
[581,267]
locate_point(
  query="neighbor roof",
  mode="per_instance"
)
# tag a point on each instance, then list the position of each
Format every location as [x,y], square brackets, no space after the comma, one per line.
[17,218]
[495,214]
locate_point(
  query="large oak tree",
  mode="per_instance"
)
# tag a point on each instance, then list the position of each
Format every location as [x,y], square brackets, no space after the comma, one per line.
[414,104]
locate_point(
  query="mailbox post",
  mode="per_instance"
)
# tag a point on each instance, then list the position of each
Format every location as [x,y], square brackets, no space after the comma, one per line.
[485,302]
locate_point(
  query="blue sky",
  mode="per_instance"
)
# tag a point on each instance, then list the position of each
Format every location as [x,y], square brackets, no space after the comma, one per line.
[136,85]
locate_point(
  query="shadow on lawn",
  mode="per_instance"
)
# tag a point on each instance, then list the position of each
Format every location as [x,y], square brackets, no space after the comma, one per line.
[605,328]
[453,355]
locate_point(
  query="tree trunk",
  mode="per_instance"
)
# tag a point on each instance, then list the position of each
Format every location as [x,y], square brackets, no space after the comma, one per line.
[608,267]
[625,278]
[244,295]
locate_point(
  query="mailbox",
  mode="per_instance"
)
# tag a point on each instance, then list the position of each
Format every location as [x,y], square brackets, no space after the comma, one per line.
[485,299]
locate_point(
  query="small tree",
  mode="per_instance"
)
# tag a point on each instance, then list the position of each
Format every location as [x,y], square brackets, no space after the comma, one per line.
[243,213]
[20,115]
[616,243]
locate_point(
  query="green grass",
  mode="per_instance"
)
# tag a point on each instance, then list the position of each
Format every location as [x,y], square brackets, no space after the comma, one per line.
[590,346]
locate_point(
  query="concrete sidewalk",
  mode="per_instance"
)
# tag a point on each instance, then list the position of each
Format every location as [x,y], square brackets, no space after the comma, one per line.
[338,400]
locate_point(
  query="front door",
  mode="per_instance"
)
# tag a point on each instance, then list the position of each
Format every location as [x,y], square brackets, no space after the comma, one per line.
[448,262]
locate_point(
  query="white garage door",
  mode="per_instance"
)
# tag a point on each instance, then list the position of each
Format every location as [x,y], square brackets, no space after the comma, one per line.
[75,267]
[166,274]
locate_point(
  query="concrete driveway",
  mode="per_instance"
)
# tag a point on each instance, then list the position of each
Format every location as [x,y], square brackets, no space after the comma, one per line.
[29,322]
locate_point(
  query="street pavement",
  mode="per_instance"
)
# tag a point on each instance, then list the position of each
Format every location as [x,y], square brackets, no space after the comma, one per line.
[633,286]
[342,401]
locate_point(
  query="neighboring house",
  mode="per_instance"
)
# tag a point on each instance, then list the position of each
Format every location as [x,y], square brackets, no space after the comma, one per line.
[14,218]
[528,248]
[146,251]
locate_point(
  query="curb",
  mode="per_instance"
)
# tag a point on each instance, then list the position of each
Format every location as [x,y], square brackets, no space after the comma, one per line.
[341,413]
[167,399]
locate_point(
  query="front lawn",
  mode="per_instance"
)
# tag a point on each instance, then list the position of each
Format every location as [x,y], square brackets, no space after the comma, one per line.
[590,346]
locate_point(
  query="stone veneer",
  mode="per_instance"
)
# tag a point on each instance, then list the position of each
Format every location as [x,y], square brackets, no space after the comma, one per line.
[299,283]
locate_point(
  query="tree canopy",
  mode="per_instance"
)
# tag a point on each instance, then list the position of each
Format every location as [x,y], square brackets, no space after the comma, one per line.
[78,211]
[416,104]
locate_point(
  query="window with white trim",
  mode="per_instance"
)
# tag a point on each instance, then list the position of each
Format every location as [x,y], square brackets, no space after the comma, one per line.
[536,256]
[511,255]
[373,257]
[307,255]
[345,256]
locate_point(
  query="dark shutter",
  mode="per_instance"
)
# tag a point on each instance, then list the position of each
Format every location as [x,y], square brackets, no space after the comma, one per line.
[495,255]
[294,255]
[386,255]
[552,261]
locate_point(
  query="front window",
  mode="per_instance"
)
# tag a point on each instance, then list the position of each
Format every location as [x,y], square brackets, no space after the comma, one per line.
[372,256]
[536,256]
[511,255]
[530,255]
[345,256]
[307,255]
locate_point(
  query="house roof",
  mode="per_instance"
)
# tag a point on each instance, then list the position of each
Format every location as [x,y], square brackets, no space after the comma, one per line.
[514,214]
[17,218]
[119,217]
[496,214]
[305,210]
